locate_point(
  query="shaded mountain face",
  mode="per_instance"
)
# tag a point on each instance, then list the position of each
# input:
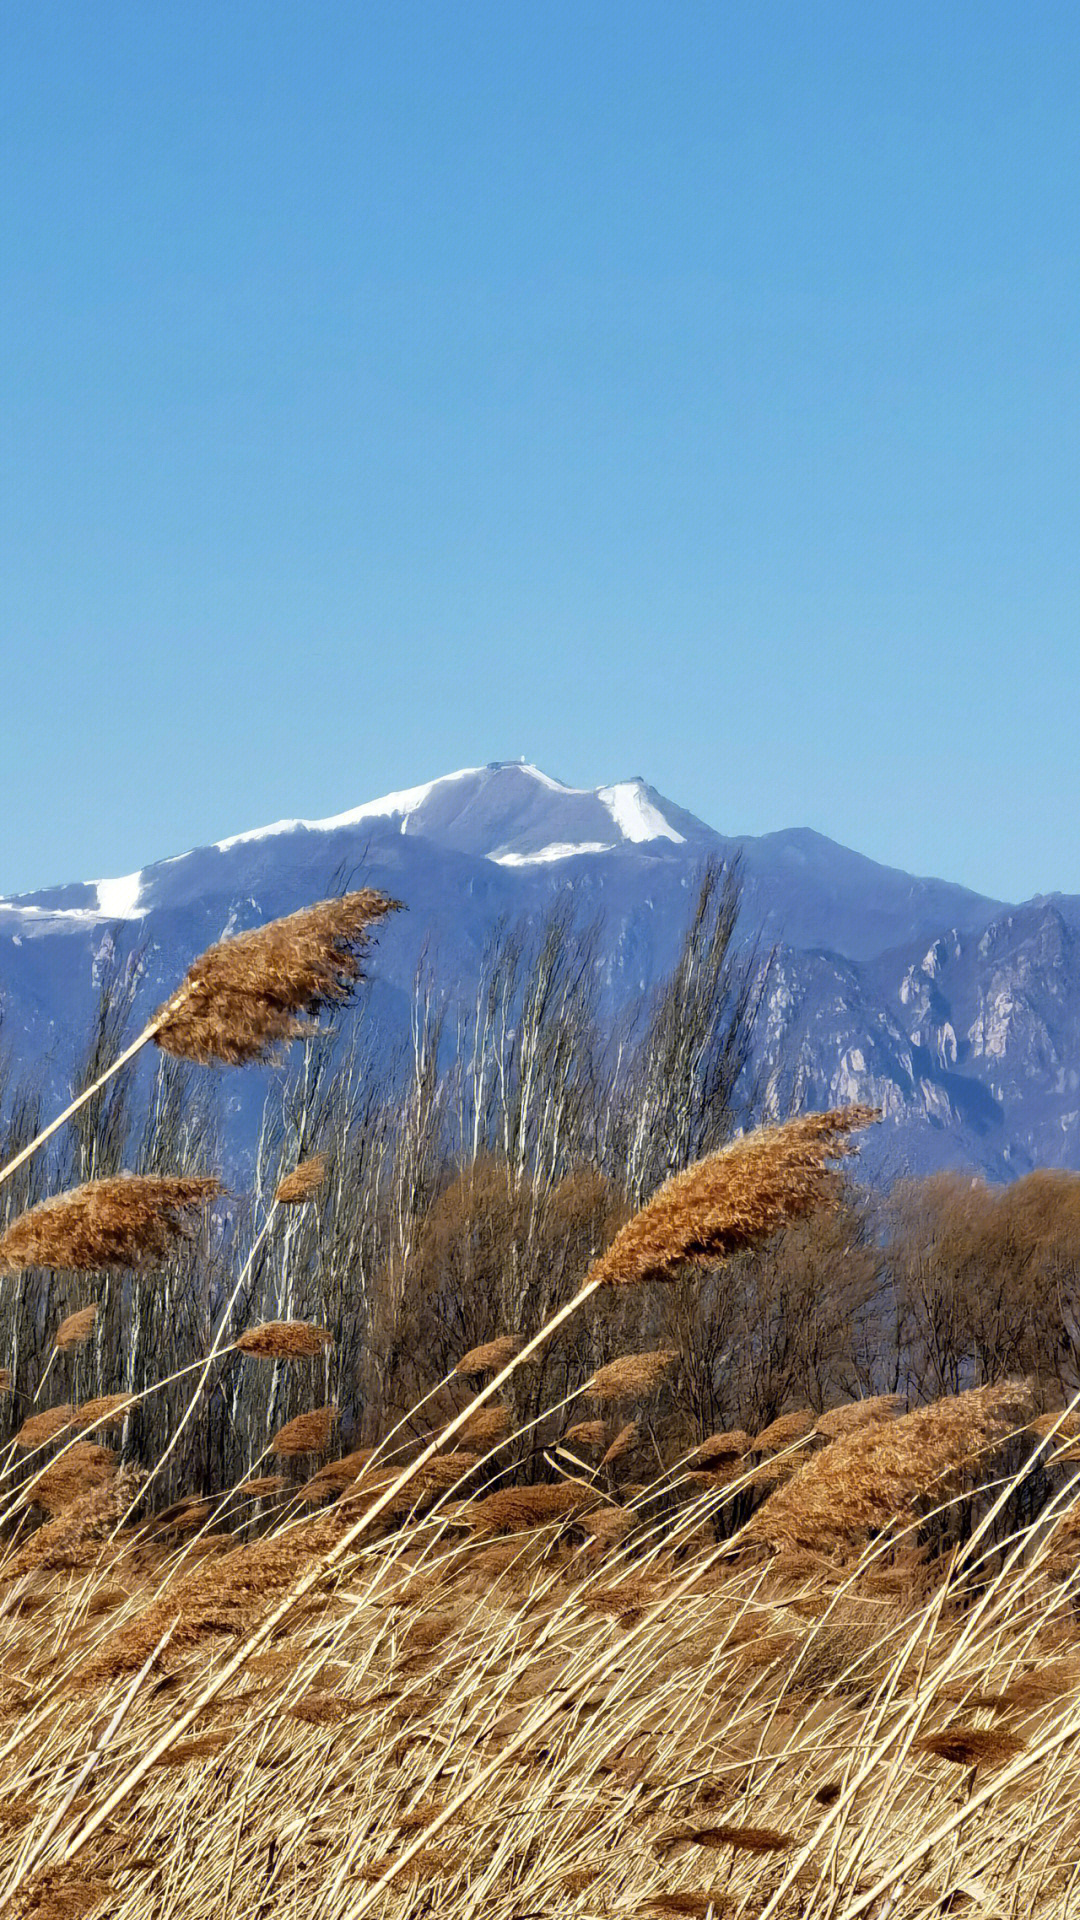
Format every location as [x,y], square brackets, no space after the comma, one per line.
[958,1014]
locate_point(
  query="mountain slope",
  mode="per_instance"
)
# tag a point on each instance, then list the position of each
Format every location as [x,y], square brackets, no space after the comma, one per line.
[958,1014]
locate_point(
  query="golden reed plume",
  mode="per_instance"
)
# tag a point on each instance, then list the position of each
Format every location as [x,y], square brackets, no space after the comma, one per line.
[284,1340]
[132,1220]
[733,1199]
[245,998]
[302,1184]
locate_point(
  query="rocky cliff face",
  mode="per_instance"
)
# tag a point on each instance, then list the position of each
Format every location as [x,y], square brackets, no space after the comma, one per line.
[959,1015]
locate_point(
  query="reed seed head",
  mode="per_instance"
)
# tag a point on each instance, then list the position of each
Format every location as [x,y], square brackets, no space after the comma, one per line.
[971,1746]
[588,1433]
[306,1433]
[106,1411]
[487,1426]
[284,1340]
[132,1220]
[721,1446]
[785,1431]
[733,1199]
[245,998]
[75,1329]
[873,1412]
[491,1357]
[512,1509]
[81,1467]
[625,1440]
[39,1428]
[632,1374]
[303,1183]
[872,1477]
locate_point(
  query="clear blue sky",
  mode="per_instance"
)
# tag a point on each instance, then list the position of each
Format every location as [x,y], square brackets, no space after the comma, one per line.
[685,390]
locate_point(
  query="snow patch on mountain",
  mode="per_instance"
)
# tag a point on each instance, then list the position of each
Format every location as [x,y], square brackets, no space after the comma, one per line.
[406,802]
[560,850]
[634,813]
[119,899]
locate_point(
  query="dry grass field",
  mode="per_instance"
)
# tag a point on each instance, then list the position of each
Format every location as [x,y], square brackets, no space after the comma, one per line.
[526,1669]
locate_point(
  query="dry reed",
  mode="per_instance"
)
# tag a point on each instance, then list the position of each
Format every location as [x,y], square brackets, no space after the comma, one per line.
[81,1467]
[39,1428]
[856,1414]
[788,1428]
[971,1746]
[512,1509]
[733,1199]
[105,1411]
[132,1220]
[632,1374]
[870,1478]
[284,1340]
[588,1433]
[75,1329]
[490,1356]
[486,1426]
[246,997]
[624,1442]
[730,1445]
[306,1433]
[303,1183]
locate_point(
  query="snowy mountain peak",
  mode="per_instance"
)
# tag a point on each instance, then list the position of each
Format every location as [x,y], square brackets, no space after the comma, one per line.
[510,812]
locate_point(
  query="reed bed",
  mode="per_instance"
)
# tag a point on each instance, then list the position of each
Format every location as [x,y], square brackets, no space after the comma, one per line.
[530,1654]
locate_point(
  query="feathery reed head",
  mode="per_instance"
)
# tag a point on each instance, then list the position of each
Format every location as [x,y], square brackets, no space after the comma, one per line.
[284,1340]
[486,1426]
[624,1442]
[588,1433]
[131,1220]
[303,1183]
[733,1199]
[263,1485]
[873,1412]
[784,1431]
[306,1433]
[244,998]
[511,1509]
[81,1467]
[869,1478]
[491,1356]
[630,1375]
[727,1446]
[39,1428]
[105,1411]
[971,1746]
[75,1329]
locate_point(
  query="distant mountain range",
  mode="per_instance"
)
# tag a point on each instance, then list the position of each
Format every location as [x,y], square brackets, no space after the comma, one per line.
[958,1014]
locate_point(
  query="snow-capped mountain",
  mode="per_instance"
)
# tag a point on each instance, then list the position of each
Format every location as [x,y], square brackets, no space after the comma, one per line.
[959,1014]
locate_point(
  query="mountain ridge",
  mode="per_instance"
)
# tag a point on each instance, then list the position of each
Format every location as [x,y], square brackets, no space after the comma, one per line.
[959,1014]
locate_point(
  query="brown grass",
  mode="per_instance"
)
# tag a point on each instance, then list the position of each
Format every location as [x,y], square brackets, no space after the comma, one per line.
[134,1221]
[491,1356]
[633,1374]
[247,997]
[75,1329]
[870,1477]
[284,1340]
[303,1183]
[734,1199]
[306,1433]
